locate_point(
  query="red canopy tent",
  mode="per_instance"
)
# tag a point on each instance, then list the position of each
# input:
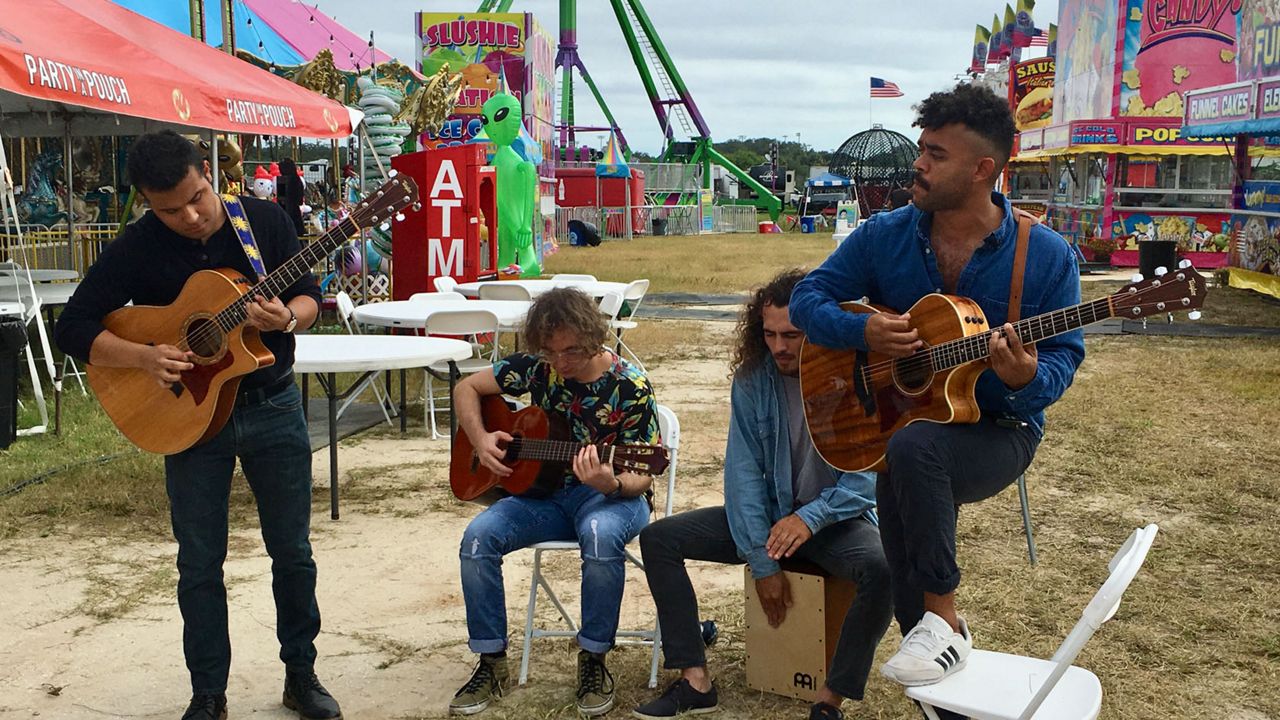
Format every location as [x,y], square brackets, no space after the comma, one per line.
[91,67]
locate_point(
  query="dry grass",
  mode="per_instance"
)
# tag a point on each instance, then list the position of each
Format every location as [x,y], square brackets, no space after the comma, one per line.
[727,263]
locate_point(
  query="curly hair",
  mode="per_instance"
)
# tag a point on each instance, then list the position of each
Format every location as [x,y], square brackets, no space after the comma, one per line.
[977,108]
[750,351]
[565,309]
[160,160]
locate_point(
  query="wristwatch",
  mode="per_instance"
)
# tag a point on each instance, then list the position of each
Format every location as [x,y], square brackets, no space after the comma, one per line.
[293,320]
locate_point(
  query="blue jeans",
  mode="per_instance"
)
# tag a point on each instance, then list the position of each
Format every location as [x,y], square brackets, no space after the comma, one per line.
[602,528]
[270,438]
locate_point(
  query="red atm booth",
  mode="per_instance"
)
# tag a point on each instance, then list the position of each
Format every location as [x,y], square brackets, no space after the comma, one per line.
[455,232]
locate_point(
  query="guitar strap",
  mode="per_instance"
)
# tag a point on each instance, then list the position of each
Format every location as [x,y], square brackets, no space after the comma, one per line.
[1025,221]
[240,221]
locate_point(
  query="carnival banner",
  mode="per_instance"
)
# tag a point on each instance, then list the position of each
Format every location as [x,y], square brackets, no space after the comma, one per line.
[1086,60]
[1258,30]
[1168,51]
[1031,92]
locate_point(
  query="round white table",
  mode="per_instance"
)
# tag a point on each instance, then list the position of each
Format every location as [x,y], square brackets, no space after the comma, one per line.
[414,313]
[40,275]
[327,355]
[7,309]
[596,289]
[57,293]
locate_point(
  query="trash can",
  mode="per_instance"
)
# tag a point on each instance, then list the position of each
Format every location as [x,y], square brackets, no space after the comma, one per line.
[807,224]
[1153,254]
[659,226]
[13,336]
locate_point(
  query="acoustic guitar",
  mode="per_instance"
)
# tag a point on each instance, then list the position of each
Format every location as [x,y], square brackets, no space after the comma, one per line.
[207,318]
[538,455]
[855,400]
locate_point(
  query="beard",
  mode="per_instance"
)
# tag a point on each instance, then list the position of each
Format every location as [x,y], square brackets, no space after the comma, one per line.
[937,196]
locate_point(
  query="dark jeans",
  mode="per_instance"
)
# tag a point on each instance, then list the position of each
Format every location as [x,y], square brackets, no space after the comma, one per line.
[933,470]
[849,549]
[270,438]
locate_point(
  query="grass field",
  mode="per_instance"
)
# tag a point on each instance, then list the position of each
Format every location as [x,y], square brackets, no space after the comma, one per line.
[1175,431]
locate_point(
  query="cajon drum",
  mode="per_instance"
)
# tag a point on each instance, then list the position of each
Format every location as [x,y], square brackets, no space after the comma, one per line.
[793,658]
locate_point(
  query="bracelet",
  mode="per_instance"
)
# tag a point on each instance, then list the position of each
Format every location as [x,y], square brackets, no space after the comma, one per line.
[617,493]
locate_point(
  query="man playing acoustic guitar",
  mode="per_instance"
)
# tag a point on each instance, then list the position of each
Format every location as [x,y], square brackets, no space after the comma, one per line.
[602,399]
[781,500]
[189,229]
[958,237]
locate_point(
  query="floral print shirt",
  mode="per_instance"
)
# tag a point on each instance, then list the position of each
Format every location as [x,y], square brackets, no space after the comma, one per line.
[618,407]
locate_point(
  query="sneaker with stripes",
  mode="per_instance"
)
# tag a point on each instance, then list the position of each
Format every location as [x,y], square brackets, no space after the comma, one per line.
[930,652]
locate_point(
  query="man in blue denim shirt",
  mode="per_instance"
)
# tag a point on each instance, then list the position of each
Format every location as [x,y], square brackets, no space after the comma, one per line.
[781,500]
[958,237]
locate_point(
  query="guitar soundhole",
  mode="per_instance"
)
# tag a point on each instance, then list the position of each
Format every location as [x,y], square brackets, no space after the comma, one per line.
[913,373]
[205,338]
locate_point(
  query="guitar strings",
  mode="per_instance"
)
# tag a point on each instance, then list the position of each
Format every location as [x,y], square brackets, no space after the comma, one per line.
[961,348]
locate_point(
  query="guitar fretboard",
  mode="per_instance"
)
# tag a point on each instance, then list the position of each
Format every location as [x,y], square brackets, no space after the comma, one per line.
[556,450]
[287,274]
[977,347]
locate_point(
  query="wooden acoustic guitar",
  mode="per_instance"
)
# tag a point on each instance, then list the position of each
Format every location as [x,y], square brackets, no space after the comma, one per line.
[539,453]
[855,400]
[207,318]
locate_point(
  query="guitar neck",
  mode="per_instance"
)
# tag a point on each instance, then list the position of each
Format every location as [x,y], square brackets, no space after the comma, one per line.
[1030,330]
[563,451]
[287,274]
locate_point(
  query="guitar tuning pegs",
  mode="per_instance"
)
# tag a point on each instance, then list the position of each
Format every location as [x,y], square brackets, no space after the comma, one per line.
[417,207]
[1194,315]
[1184,264]
[399,217]
[1137,277]
[1162,271]
[393,173]
[384,226]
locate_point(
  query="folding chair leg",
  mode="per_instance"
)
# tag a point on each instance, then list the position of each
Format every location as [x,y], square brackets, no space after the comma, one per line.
[1026,518]
[528,619]
[430,419]
[75,372]
[657,649]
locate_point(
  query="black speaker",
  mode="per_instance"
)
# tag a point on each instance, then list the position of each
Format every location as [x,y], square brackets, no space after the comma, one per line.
[13,336]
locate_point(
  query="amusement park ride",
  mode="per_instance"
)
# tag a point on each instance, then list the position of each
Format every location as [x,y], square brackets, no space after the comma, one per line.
[673,105]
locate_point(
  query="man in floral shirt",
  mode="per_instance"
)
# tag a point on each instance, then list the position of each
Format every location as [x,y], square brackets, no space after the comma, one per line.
[602,399]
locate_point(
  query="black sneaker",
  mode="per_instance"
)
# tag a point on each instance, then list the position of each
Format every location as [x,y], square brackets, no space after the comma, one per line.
[680,697]
[823,711]
[487,684]
[595,685]
[205,706]
[304,694]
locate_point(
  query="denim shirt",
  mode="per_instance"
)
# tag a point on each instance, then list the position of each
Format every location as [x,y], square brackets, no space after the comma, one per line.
[889,260]
[757,473]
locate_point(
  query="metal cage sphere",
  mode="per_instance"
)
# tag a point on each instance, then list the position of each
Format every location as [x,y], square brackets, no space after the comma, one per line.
[877,161]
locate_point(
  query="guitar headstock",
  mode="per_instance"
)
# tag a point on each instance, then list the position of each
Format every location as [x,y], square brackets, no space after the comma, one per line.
[642,459]
[387,202]
[1180,289]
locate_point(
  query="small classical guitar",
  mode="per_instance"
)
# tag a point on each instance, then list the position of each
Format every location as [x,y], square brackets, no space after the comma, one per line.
[855,400]
[539,453]
[208,319]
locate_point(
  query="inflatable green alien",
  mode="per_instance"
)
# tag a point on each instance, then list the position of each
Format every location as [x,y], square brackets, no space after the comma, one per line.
[517,185]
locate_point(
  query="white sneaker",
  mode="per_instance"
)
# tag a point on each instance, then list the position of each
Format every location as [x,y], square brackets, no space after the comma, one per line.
[930,652]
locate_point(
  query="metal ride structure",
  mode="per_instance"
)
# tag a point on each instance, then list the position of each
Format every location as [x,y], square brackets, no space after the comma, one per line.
[673,104]
[877,161]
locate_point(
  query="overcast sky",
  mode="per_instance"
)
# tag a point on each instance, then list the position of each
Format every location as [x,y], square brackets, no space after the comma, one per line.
[755,68]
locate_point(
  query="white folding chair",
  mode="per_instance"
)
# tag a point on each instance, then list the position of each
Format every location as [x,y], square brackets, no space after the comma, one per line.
[346,309]
[997,686]
[573,277]
[457,322]
[619,322]
[669,426]
[504,291]
[444,283]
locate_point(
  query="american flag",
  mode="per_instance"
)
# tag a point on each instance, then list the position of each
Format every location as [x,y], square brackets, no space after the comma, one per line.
[1040,39]
[881,88]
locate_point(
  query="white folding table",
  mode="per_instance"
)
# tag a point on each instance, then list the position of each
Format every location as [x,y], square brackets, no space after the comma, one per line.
[414,313]
[594,288]
[39,275]
[327,355]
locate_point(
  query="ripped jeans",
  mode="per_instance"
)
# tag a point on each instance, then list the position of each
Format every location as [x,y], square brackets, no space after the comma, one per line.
[602,528]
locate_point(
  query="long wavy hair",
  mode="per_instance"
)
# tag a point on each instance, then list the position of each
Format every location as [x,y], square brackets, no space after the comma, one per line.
[565,309]
[750,351]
